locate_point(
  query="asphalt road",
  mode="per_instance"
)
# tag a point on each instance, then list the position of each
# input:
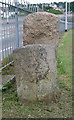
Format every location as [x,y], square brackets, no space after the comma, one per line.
[8,35]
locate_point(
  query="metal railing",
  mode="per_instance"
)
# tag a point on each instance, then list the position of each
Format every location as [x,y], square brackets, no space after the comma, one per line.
[11,28]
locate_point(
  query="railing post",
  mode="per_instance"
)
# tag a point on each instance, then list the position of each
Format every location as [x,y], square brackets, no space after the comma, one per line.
[69,7]
[0,35]
[66,18]
[42,6]
[16,25]
[37,8]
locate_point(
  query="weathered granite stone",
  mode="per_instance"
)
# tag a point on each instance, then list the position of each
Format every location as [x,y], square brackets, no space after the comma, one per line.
[36,72]
[41,28]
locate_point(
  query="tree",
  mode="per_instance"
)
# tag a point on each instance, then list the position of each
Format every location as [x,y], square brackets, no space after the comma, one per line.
[72,6]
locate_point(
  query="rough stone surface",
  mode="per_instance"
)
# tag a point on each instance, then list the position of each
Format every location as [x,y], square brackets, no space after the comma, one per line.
[36,72]
[41,28]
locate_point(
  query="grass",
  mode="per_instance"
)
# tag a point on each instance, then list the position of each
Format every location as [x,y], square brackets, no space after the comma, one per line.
[65,59]
[62,107]
[9,69]
[6,59]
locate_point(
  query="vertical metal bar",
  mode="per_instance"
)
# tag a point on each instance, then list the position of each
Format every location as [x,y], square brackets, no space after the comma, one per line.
[2,34]
[69,7]
[29,6]
[66,18]
[24,4]
[13,27]
[42,6]
[32,8]
[7,32]
[21,3]
[7,15]
[11,32]
[16,25]
[9,58]
[0,66]
[37,8]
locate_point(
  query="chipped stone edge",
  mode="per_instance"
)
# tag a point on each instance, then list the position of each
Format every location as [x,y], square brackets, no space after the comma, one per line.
[34,45]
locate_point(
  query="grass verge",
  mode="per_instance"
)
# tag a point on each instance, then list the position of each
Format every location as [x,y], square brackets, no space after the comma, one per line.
[12,108]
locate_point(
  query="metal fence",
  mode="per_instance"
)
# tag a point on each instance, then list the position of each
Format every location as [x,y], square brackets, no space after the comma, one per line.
[62,26]
[11,28]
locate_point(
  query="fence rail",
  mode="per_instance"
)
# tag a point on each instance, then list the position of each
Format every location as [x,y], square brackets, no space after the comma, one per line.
[11,30]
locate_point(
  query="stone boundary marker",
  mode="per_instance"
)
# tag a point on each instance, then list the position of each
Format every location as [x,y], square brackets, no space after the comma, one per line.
[41,28]
[36,72]
[35,63]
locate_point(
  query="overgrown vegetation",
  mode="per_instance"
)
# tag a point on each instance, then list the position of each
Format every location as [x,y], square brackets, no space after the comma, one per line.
[59,108]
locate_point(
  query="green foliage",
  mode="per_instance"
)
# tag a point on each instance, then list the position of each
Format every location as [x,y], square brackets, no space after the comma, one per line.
[60,66]
[47,8]
[40,5]
[10,88]
[55,11]
[65,53]
[64,61]
[63,85]
[7,86]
